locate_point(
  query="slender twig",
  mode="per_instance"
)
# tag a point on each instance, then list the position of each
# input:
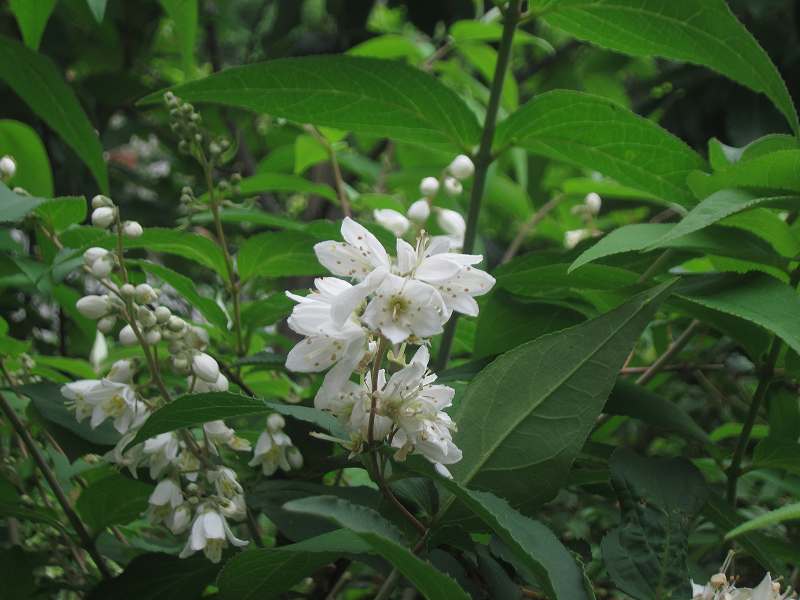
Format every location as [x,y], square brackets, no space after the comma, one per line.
[341,191]
[394,577]
[528,226]
[235,378]
[483,159]
[86,540]
[674,367]
[674,348]
[656,265]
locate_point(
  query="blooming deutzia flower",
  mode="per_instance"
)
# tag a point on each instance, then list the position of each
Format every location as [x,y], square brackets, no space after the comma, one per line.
[357,256]
[129,458]
[179,519]
[452,274]
[217,432]
[162,451]
[234,508]
[225,481]
[103,398]
[404,307]
[392,220]
[164,500]
[272,447]
[211,534]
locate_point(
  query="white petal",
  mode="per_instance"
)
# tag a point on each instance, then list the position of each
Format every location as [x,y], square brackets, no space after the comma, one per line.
[357,235]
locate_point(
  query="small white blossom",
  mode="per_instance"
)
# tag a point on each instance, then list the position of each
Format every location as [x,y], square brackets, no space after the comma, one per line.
[453,224]
[162,452]
[127,337]
[429,187]
[93,254]
[357,256]
[179,519]
[99,350]
[103,399]
[452,186]
[103,266]
[211,534]
[205,367]
[220,385]
[103,217]
[593,202]
[121,371]
[271,449]
[419,211]
[392,220]
[575,236]
[225,482]
[164,500]
[462,167]
[100,201]
[8,168]
[132,229]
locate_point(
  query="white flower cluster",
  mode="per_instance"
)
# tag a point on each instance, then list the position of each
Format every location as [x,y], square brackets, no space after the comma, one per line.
[194,488]
[450,221]
[722,587]
[588,211]
[393,301]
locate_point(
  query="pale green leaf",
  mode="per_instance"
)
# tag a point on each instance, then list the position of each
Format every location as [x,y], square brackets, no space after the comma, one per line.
[32,17]
[278,254]
[184,14]
[14,207]
[790,512]
[34,174]
[776,171]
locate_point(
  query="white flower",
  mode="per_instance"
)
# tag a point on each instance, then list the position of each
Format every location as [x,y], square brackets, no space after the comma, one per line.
[93,254]
[461,167]
[164,500]
[225,481]
[121,371]
[103,217]
[162,451]
[357,256]
[8,167]
[103,399]
[575,236]
[452,186]
[217,432]
[453,224]
[103,266]
[127,337]
[429,186]
[329,336]
[211,534]
[272,448]
[392,220]
[178,520]
[132,229]
[593,202]
[419,211]
[99,350]
[130,458]
[404,307]
[205,367]
[220,385]
[452,274]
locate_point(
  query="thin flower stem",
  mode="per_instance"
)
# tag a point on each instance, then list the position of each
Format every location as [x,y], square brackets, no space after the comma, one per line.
[341,192]
[528,226]
[669,354]
[86,540]
[483,160]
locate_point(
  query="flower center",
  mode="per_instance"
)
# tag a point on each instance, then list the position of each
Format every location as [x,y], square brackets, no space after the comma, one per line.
[398,305]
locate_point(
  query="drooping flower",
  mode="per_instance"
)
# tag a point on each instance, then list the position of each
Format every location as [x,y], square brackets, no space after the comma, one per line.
[272,447]
[211,534]
[164,500]
[162,451]
[103,399]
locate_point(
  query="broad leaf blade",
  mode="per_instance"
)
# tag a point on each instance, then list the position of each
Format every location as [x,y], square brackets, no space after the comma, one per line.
[365,95]
[791,512]
[775,171]
[278,254]
[702,32]
[23,143]
[112,500]
[596,133]
[549,390]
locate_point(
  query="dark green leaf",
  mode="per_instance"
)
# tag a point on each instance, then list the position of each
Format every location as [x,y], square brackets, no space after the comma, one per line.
[37,81]
[16,572]
[773,453]
[188,245]
[60,213]
[365,95]
[14,207]
[33,166]
[775,171]
[32,18]
[184,13]
[112,500]
[278,254]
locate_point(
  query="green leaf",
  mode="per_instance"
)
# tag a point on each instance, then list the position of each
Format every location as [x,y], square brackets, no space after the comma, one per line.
[34,174]
[640,236]
[596,133]
[278,254]
[185,287]
[280,182]
[156,576]
[531,275]
[659,499]
[550,390]
[773,453]
[717,207]
[266,311]
[308,151]
[775,171]
[98,8]
[181,243]
[184,13]
[365,95]
[702,32]
[267,573]
[532,543]
[60,213]
[386,540]
[36,80]
[32,17]
[780,515]
[757,298]
[638,402]
[12,506]
[191,410]
[112,500]
[14,207]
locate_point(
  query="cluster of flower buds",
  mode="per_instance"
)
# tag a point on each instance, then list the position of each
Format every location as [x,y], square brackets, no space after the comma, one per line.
[105,215]
[186,123]
[449,221]
[588,210]
[393,302]
[8,168]
[722,587]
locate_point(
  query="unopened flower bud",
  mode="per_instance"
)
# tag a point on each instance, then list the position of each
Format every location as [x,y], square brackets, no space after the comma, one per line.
[101,201]
[176,323]
[106,324]
[127,337]
[121,371]
[162,314]
[275,422]
[93,307]
[146,316]
[392,220]
[93,254]
[205,367]
[127,290]
[103,217]
[461,167]
[294,457]
[132,229]
[419,211]
[180,364]
[451,222]
[145,294]
[429,186]
[153,336]
[593,202]
[574,237]
[452,186]
[102,266]
[8,167]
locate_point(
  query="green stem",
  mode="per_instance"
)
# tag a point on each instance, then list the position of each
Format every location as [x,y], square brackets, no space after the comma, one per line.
[483,160]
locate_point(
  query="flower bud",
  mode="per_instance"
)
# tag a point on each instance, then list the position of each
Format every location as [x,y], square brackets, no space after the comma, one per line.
[176,323]
[152,337]
[294,457]
[593,202]
[391,220]
[132,229]
[205,367]
[419,211]
[93,307]
[146,316]
[461,167]
[103,217]
[574,237]
[93,254]
[451,222]
[180,364]
[127,337]
[102,267]
[429,186]
[8,167]
[452,186]
[162,314]
[101,201]
[127,290]
[106,324]
[275,422]
[145,294]
[121,371]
